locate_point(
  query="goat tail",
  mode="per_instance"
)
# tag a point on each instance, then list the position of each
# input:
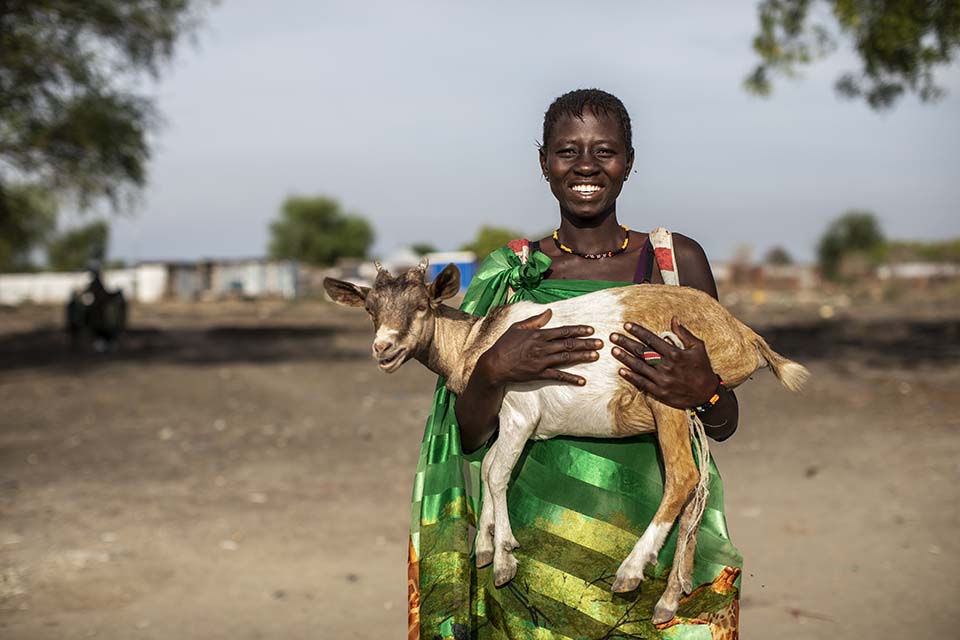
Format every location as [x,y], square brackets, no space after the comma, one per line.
[792,374]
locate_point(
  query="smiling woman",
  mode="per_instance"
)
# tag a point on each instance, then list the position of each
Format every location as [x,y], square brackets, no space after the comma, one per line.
[577,505]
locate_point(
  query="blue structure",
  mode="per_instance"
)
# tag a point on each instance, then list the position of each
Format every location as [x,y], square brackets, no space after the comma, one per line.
[466,261]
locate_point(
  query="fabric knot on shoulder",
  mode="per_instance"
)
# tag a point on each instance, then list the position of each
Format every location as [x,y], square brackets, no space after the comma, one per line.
[529,275]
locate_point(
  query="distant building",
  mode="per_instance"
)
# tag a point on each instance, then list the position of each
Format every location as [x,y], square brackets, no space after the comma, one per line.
[766,276]
[155,280]
[144,283]
[919,273]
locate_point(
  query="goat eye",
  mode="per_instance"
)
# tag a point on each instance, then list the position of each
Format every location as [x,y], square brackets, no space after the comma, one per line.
[422,308]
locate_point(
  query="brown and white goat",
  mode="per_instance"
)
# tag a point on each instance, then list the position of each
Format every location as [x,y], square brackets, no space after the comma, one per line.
[411,322]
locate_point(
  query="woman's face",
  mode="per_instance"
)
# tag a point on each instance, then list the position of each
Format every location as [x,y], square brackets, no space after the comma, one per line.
[586,162]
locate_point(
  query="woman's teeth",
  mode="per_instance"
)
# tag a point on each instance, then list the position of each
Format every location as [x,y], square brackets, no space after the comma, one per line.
[586,188]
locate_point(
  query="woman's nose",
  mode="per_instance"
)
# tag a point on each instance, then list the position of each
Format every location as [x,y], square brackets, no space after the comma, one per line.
[586,165]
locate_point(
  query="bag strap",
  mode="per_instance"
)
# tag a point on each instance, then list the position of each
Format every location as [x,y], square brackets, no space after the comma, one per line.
[662,241]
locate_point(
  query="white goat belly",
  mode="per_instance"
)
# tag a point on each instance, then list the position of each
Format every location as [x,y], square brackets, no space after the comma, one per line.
[565,409]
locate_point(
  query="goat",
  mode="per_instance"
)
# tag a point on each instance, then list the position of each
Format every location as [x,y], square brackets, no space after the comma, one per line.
[411,322]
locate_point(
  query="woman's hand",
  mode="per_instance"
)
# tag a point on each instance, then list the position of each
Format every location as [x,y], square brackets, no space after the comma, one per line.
[682,379]
[528,352]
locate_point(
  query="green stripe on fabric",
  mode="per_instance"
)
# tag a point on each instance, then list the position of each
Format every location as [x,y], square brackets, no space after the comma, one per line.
[628,614]
[535,611]
[452,503]
[537,477]
[439,478]
[688,632]
[418,485]
[590,533]
[442,447]
[642,475]
[443,528]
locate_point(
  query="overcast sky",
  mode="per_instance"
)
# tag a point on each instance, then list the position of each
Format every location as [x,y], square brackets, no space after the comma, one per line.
[423,117]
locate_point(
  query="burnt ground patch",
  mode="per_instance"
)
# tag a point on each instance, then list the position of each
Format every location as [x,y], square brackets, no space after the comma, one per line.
[896,343]
[203,346]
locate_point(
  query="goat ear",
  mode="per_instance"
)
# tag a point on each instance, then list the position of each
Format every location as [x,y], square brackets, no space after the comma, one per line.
[345,293]
[446,284]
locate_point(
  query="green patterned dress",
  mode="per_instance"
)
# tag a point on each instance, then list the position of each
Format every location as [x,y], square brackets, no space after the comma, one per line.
[577,506]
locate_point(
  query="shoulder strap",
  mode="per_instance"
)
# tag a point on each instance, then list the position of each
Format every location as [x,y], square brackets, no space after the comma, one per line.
[521,247]
[662,241]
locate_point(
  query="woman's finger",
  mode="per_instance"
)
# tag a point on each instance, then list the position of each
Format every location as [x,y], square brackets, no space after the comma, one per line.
[567,358]
[628,344]
[562,376]
[641,383]
[638,365]
[652,340]
[568,331]
[572,344]
[535,322]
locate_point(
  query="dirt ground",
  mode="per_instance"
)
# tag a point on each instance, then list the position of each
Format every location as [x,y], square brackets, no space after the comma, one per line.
[243,471]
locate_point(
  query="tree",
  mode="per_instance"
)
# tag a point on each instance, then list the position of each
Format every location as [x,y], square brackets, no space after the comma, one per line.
[314,230]
[778,256]
[900,44]
[28,215]
[488,239]
[68,118]
[75,249]
[855,233]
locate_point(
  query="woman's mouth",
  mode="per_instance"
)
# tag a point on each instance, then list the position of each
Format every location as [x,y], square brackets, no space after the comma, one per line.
[586,190]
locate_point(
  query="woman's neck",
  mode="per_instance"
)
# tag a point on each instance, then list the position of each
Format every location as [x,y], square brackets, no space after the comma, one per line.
[598,235]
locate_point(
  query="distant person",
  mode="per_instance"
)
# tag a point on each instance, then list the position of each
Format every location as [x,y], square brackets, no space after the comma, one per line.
[96,313]
[576,505]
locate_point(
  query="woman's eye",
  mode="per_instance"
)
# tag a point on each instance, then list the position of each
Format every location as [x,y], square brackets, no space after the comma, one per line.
[606,152]
[566,152]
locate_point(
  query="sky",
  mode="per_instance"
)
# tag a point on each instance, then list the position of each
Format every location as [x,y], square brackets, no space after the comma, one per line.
[424,116]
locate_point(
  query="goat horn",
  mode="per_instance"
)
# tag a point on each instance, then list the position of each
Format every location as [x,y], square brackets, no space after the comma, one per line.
[424,263]
[379,266]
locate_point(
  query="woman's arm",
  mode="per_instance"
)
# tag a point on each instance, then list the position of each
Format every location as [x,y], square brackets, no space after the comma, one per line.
[684,378]
[523,353]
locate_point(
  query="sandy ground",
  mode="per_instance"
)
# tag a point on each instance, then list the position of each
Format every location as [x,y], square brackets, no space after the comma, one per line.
[242,471]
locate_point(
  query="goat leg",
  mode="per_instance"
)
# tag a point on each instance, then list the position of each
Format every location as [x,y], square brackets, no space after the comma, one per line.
[514,433]
[680,481]
[681,573]
[487,525]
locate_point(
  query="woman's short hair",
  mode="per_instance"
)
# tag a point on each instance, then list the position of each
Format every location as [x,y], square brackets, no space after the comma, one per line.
[575,102]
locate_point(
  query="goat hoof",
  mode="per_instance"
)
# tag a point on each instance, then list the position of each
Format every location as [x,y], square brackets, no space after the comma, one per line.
[503,572]
[484,558]
[662,613]
[626,584]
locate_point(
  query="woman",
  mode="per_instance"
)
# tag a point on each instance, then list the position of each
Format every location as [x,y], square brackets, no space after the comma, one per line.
[576,504]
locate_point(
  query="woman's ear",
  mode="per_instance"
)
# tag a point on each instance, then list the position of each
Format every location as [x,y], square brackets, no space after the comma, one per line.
[446,284]
[630,158]
[345,293]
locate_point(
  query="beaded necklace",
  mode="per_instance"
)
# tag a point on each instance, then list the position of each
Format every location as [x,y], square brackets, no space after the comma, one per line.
[593,256]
